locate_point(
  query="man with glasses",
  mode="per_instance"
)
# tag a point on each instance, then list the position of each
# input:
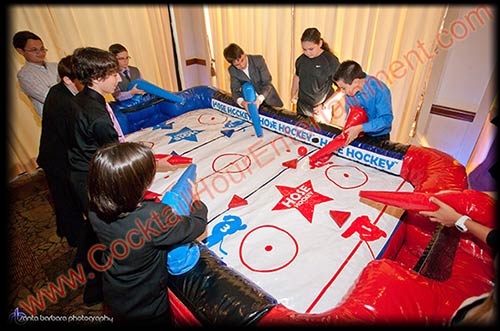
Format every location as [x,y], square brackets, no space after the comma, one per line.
[127,73]
[36,76]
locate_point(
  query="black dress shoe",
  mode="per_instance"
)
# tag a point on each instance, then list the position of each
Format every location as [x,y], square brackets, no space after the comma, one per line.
[92,293]
[92,300]
[72,242]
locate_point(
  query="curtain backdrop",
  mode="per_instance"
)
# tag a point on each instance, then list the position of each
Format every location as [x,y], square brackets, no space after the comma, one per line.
[143,30]
[390,42]
[263,30]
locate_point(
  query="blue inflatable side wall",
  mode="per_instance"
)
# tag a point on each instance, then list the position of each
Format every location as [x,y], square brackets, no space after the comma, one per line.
[148,110]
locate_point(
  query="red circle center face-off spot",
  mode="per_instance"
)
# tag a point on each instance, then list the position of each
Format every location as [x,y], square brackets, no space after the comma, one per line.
[231,163]
[268,248]
[346,177]
[207,119]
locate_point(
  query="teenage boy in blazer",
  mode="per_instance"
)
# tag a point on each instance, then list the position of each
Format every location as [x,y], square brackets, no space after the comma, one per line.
[253,69]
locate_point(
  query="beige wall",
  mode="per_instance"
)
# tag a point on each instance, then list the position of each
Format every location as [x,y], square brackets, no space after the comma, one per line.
[192,45]
[463,78]
[460,76]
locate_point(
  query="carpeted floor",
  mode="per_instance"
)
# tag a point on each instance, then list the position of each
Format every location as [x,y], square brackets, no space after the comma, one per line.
[37,256]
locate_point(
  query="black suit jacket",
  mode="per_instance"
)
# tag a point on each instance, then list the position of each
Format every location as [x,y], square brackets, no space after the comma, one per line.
[92,128]
[135,286]
[260,77]
[53,150]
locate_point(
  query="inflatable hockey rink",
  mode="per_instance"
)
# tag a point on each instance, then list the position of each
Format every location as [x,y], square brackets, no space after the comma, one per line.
[302,235]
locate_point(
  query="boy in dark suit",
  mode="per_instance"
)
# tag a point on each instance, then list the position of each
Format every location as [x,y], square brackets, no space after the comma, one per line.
[53,152]
[93,124]
[135,285]
[93,128]
[253,69]
[127,73]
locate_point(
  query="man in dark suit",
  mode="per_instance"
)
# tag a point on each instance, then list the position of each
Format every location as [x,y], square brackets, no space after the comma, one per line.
[52,155]
[253,69]
[127,73]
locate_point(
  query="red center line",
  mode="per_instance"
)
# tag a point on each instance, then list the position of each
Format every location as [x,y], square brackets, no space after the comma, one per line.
[347,260]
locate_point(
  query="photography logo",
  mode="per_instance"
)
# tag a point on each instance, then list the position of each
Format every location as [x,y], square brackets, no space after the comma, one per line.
[17,317]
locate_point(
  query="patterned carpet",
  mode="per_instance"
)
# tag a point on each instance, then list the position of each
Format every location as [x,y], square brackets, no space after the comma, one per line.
[37,256]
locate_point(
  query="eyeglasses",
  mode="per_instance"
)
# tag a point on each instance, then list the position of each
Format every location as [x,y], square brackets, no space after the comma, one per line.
[37,50]
[123,58]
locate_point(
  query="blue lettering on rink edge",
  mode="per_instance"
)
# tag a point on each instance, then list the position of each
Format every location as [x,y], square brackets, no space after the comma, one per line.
[371,159]
[357,154]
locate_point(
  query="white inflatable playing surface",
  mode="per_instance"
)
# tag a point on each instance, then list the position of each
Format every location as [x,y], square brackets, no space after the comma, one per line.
[301,234]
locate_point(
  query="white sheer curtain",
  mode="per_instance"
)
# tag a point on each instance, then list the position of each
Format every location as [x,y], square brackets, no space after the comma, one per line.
[144,30]
[264,30]
[390,42]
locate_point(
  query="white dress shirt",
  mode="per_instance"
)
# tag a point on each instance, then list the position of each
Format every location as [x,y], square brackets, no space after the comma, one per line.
[35,81]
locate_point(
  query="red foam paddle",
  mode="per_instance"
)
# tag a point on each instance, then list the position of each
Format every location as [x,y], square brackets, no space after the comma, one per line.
[357,115]
[415,201]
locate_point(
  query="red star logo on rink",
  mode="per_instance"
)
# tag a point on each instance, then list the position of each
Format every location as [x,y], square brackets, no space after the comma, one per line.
[303,198]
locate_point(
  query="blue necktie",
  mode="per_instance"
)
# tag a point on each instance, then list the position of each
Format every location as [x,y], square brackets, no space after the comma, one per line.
[125,73]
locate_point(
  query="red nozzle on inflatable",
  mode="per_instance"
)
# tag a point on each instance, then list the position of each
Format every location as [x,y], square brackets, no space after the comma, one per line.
[177,159]
[357,115]
[414,201]
[465,202]
[329,148]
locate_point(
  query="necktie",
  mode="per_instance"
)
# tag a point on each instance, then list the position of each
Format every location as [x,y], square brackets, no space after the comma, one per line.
[115,123]
[125,73]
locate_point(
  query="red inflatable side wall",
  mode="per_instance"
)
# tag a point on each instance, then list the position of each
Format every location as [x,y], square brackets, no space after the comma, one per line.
[388,291]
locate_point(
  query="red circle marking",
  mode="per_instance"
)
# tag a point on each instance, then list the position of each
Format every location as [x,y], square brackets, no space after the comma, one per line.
[225,168]
[363,177]
[211,120]
[268,248]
